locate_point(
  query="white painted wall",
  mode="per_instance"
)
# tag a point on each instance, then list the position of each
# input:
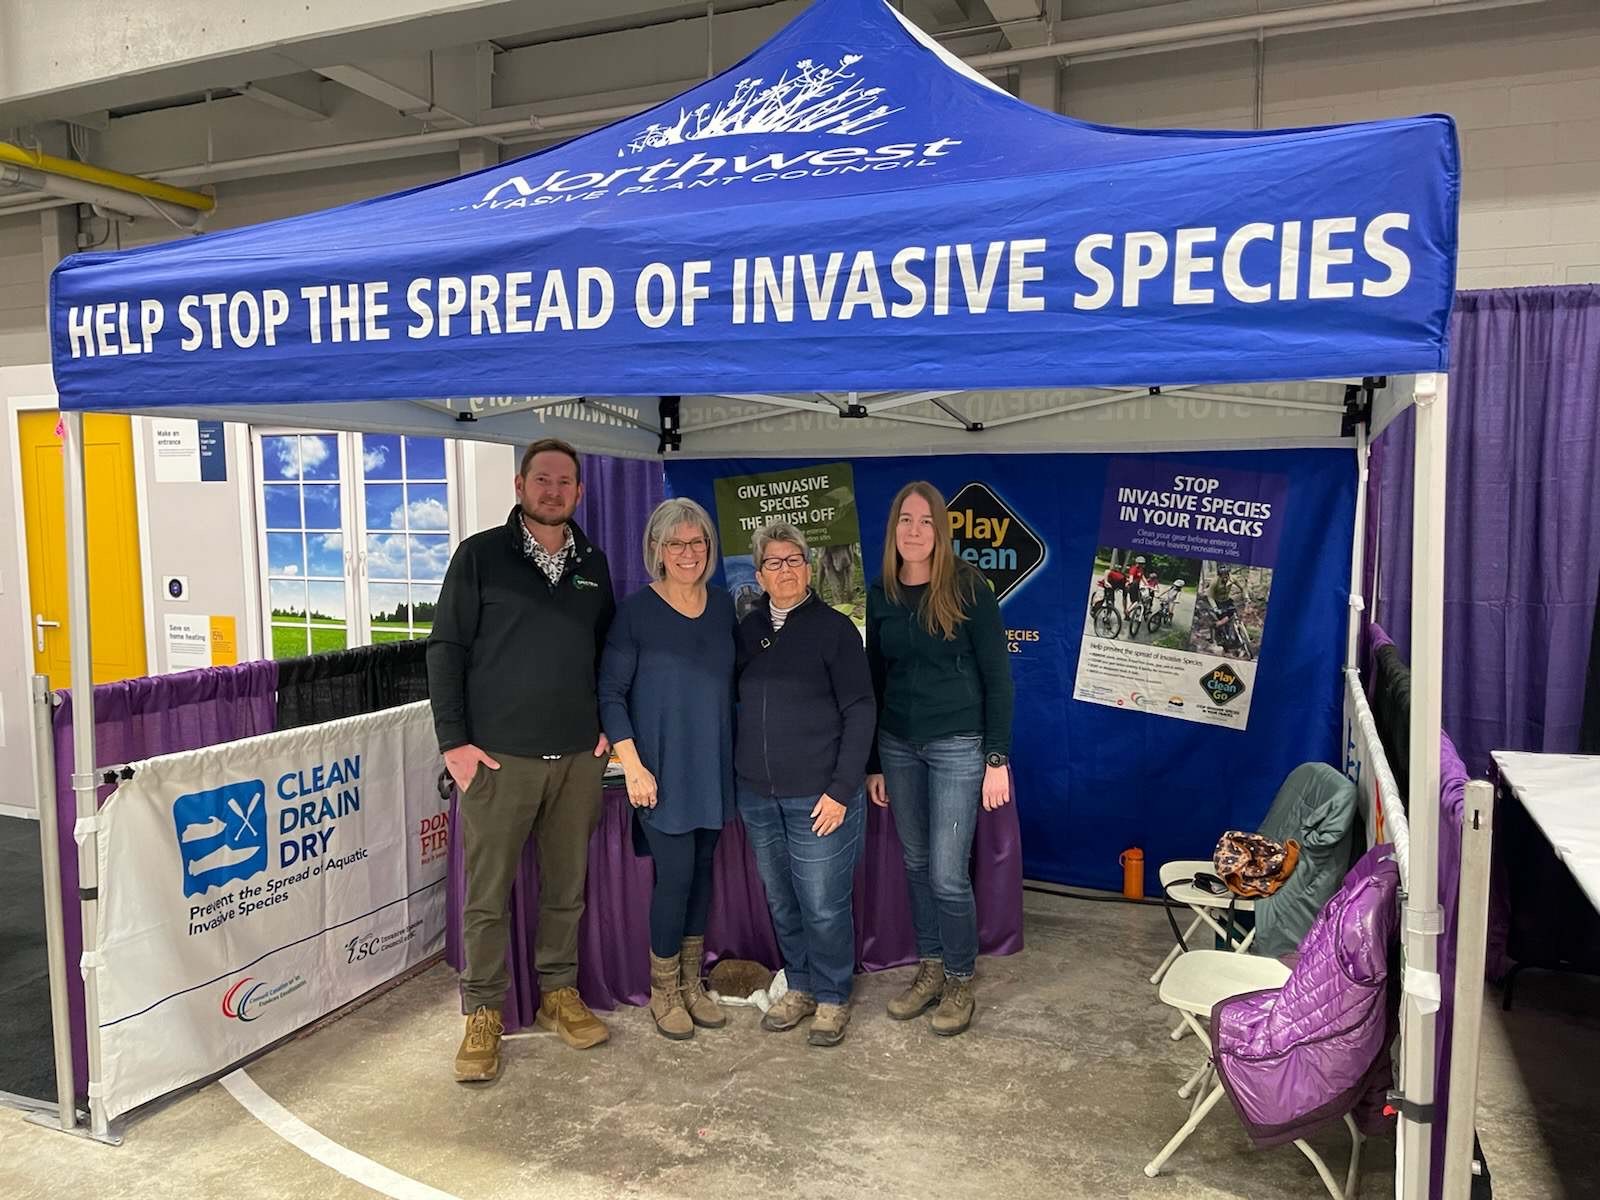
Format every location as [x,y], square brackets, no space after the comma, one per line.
[1523,85]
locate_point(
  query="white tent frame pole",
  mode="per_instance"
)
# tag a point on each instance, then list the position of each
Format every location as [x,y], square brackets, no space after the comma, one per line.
[823,404]
[877,407]
[44,757]
[1421,915]
[83,751]
[1472,929]
[1070,406]
[1358,559]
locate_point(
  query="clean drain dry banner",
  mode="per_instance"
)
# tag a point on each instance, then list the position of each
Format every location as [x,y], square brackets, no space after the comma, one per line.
[250,888]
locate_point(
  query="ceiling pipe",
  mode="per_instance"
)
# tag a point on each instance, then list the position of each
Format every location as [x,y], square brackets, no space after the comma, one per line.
[29,180]
[1090,49]
[1277,20]
[99,177]
[527,125]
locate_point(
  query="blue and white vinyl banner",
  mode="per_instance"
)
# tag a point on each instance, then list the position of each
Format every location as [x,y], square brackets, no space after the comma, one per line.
[250,888]
[848,209]
[1109,763]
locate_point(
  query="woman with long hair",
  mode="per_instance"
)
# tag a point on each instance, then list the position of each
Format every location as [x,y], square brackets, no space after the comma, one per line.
[942,675]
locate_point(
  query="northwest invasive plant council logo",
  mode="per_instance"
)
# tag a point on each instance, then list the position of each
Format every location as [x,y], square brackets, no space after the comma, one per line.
[813,101]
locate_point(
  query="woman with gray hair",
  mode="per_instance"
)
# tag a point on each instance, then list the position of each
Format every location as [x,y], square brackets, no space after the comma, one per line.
[666,702]
[806,719]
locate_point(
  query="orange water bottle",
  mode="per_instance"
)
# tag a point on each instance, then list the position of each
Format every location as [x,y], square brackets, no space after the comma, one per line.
[1132,860]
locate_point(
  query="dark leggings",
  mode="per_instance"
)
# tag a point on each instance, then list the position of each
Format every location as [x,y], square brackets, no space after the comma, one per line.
[682,894]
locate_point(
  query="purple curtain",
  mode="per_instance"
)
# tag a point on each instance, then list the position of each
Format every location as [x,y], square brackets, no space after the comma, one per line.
[1522,550]
[614,937]
[618,496]
[141,718]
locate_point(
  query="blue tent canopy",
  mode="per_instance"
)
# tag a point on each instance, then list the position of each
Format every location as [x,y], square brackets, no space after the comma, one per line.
[848,222]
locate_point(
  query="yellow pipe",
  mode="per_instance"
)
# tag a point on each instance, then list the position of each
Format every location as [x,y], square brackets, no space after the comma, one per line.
[133,184]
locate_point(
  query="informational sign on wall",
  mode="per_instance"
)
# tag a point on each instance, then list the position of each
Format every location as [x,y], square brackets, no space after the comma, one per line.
[250,888]
[189,451]
[1178,590]
[177,450]
[201,641]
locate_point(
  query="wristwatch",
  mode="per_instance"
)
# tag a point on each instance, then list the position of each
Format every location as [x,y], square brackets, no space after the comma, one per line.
[996,760]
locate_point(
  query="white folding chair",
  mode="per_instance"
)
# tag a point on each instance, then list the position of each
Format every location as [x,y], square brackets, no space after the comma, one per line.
[1195,984]
[1203,904]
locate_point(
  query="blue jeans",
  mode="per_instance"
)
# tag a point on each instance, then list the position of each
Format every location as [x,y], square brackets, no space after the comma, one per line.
[808,881]
[934,792]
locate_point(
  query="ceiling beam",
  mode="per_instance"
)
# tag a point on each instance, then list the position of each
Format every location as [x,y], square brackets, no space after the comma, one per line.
[1024,22]
[297,96]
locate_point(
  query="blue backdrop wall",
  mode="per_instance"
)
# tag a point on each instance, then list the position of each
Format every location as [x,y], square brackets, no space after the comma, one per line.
[1093,779]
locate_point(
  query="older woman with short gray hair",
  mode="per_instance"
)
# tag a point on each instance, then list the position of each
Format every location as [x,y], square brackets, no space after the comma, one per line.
[806,720]
[666,701]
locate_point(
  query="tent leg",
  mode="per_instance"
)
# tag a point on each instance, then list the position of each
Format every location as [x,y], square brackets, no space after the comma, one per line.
[1471,935]
[83,752]
[1352,638]
[54,926]
[1422,919]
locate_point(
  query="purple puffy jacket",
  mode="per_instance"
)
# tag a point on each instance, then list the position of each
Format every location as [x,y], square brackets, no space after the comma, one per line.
[1297,1057]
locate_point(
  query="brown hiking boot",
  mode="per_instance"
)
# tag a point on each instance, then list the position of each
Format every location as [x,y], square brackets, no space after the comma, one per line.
[829,1026]
[478,1060]
[564,1011]
[666,999]
[923,993]
[954,1013]
[788,1011]
[703,1010]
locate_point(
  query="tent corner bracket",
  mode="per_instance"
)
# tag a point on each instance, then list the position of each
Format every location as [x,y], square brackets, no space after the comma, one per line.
[671,436]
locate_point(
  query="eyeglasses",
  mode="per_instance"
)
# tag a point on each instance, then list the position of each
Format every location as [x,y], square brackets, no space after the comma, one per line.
[694,546]
[793,561]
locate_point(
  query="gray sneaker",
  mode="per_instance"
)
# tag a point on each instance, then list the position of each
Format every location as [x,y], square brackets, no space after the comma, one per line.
[923,993]
[829,1026]
[954,1013]
[790,1009]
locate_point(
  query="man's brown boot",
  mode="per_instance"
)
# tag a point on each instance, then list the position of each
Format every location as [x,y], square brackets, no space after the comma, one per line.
[788,1011]
[923,993]
[827,1029]
[564,1011]
[703,1010]
[954,1013]
[666,999]
[478,1060]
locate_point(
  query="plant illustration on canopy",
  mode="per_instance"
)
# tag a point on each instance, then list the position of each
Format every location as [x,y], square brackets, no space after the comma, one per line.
[815,99]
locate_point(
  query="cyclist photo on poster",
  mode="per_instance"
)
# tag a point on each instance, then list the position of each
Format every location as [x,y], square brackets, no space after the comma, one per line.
[1230,611]
[1142,596]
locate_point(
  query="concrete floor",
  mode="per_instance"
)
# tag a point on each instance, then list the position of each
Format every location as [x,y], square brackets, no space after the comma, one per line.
[1064,1087]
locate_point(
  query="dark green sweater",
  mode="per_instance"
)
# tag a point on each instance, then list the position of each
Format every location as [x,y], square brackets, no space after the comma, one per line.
[928,687]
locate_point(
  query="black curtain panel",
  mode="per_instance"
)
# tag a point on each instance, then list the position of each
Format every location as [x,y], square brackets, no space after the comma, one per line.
[345,683]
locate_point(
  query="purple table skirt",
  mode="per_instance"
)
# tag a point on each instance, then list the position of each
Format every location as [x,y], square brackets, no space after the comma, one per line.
[614,937]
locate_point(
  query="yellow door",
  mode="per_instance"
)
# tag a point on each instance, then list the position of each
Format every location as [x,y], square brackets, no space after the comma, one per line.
[116,604]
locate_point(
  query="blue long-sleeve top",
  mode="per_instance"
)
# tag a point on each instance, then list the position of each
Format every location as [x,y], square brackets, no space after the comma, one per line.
[666,681]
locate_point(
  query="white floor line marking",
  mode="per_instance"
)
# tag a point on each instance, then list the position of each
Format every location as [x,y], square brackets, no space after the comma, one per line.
[325,1150]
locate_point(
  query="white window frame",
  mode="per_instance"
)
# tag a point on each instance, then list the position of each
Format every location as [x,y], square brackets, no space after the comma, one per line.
[353,526]
[363,578]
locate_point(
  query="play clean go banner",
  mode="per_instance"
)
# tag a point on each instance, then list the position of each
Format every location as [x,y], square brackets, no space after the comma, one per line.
[250,888]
